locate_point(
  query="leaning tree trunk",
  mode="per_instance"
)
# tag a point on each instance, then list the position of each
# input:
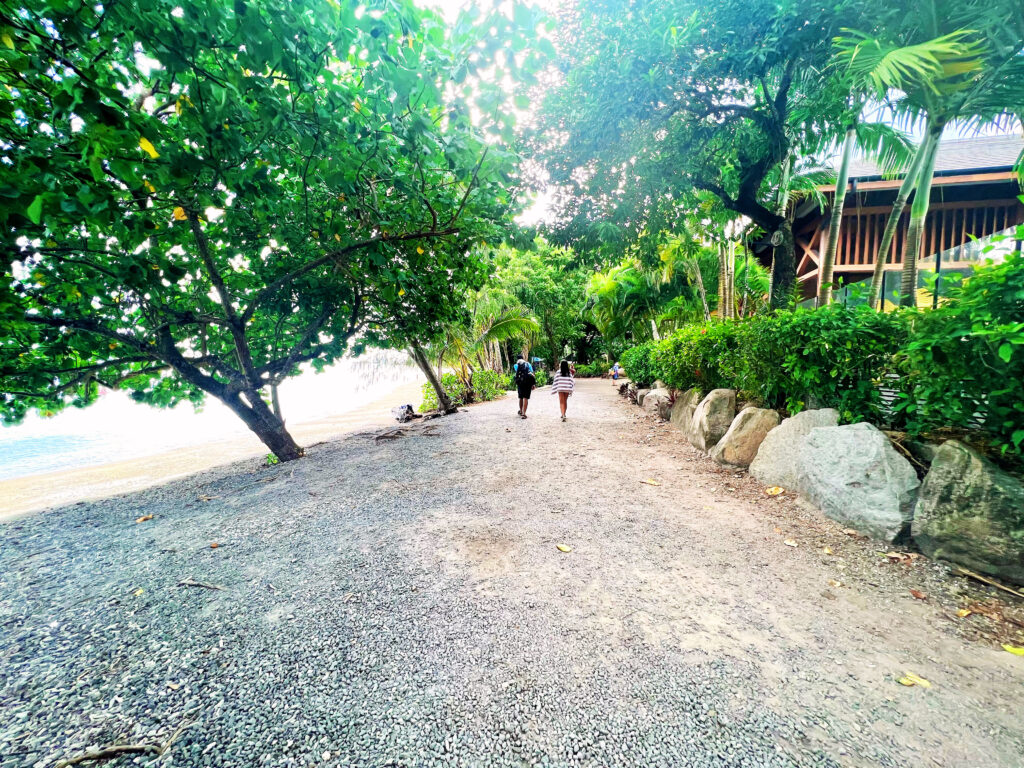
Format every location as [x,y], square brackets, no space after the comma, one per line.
[420,357]
[882,255]
[918,214]
[828,257]
[265,424]
[700,289]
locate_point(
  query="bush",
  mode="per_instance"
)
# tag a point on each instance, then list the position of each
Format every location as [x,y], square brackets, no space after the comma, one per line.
[453,387]
[591,370]
[542,378]
[699,356]
[964,366]
[831,357]
[488,385]
[639,364]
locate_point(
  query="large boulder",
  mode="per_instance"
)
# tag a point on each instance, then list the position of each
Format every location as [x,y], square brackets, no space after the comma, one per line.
[711,418]
[748,430]
[972,513]
[684,406]
[654,398]
[854,475]
[640,395]
[775,463]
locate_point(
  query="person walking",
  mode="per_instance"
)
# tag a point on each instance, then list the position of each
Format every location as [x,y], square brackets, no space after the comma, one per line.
[563,384]
[525,382]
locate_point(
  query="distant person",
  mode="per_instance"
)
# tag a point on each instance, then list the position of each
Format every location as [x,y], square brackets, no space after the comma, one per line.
[615,371]
[525,383]
[563,384]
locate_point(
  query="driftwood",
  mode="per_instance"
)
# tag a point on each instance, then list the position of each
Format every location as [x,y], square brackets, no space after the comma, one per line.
[986,580]
[193,583]
[398,432]
[117,750]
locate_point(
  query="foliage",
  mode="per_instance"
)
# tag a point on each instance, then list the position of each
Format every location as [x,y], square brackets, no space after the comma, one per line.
[488,385]
[543,379]
[832,357]
[965,362]
[593,370]
[697,356]
[639,364]
[456,390]
[182,221]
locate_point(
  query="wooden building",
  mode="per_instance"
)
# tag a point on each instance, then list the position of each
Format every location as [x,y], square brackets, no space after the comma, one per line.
[975,195]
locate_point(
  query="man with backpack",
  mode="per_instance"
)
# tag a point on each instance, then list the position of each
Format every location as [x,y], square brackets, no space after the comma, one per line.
[525,382]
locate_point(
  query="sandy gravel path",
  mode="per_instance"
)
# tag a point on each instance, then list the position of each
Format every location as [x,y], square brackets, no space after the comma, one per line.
[402,603]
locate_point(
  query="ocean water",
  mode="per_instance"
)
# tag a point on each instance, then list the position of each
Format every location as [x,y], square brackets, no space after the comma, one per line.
[116,428]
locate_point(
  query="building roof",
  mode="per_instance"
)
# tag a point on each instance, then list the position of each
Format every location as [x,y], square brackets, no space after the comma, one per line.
[959,155]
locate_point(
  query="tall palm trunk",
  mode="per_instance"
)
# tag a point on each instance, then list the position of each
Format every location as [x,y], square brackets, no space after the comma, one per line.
[918,214]
[723,288]
[906,188]
[828,256]
[700,289]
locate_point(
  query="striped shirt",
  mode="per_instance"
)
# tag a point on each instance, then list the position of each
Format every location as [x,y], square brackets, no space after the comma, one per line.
[562,384]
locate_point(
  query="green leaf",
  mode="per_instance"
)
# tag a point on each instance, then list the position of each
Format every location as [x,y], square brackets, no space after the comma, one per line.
[35,210]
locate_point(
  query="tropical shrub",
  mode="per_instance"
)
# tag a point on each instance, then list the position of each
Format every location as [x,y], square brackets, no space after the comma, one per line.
[639,363]
[543,379]
[456,390]
[833,357]
[964,366]
[699,355]
[591,370]
[489,385]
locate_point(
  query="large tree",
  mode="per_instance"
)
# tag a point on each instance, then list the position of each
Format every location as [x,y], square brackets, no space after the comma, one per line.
[663,97]
[201,196]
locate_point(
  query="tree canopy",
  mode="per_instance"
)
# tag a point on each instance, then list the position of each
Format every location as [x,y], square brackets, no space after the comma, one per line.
[201,196]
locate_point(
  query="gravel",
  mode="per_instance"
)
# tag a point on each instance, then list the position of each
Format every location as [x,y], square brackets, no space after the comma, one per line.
[403,603]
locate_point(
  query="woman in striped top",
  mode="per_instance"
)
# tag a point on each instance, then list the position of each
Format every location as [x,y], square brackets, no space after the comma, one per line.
[563,384]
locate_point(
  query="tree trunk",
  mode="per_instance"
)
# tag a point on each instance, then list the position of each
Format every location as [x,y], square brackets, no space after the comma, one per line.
[908,185]
[784,267]
[723,289]
[918,214]
[275,400]
[420,357]
[267,426]
[828,256]
[700,289]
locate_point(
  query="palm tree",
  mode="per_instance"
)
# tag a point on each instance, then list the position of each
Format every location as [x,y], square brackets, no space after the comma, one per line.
[972,75]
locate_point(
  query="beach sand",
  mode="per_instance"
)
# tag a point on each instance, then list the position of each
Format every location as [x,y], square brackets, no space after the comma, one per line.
[33,493]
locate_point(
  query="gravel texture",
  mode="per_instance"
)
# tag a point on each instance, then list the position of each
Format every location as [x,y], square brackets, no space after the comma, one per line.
[403,603]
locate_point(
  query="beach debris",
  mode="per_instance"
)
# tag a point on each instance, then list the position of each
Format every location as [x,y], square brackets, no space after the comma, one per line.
[394,433]
[189,582]
[204,497]
[850,532]
[963,613]
[1013,649]
[563,548]
[174,686]
[904,558]
[834,583]
[918,594]
[828,550]
[214,544]
[775,490]
[910,679]
[143,519]
[649,481]
[138,591]
[117,750]
[985,580]
[789,542]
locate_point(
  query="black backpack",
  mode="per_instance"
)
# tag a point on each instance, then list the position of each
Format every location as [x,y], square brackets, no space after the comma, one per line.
[522,373]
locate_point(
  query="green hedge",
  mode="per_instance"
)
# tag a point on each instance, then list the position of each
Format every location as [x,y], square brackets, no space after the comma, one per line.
[486,385]
[591,370]
[960,366]
[639,364]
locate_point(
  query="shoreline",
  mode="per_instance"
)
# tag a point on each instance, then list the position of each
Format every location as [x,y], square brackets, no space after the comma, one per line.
[35,493]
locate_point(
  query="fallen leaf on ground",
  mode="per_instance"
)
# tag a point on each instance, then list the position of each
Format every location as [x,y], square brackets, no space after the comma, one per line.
[214,545]
[173,686]
[207,498]
[143,519]
[828,551]
[563,548]
[911,679]
[650,482]
[789,543]
[918,594]
[774,490]
[1013,649]
[850,532]
[899,557]
[963,613]
[138,591]
[834,583]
